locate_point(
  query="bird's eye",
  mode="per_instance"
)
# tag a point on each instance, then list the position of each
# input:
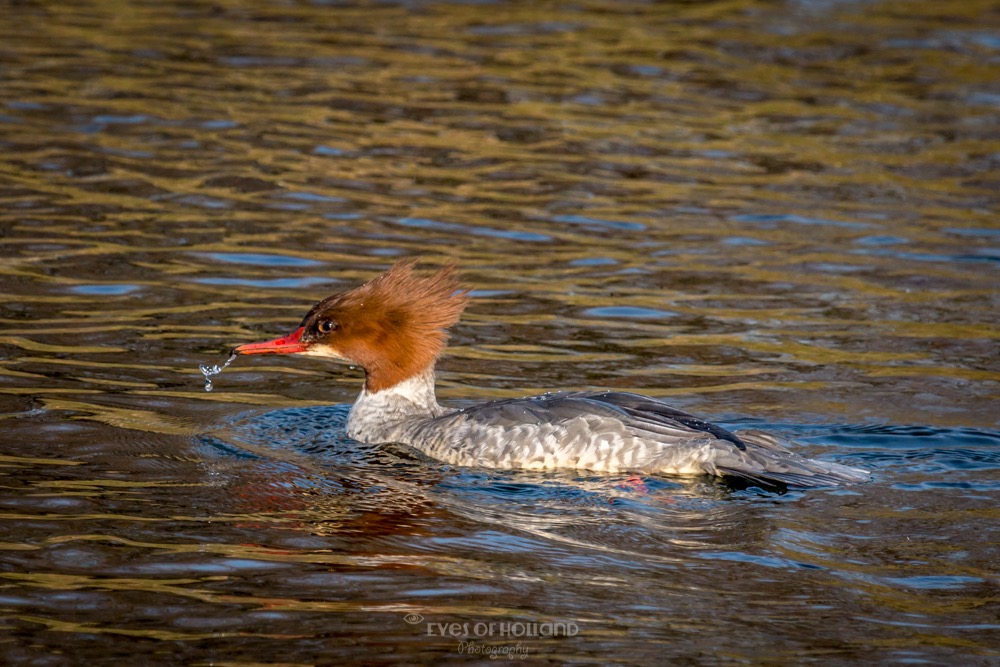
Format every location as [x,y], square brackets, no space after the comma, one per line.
[326,326]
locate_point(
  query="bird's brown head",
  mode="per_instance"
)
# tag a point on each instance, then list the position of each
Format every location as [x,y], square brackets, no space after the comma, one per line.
[394,326]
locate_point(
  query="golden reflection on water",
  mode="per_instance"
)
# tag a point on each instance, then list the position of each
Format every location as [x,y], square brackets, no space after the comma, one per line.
[781,211]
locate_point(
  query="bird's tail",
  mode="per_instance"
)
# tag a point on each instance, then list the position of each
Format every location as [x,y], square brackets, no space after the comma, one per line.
[767,461]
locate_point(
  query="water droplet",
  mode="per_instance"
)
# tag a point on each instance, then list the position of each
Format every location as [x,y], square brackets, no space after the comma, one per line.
[209,371]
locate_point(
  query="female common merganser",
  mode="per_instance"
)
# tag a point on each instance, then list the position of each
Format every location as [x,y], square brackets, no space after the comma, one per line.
[395,328]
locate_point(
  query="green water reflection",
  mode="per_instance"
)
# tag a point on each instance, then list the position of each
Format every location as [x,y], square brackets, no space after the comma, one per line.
[781,211]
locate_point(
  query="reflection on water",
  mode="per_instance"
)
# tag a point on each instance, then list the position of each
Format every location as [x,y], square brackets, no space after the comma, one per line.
[778,215]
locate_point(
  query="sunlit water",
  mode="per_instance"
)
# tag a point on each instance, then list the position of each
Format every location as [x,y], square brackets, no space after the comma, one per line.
[777,215]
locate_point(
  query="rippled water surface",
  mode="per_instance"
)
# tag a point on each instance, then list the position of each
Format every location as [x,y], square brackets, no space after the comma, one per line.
[772,214]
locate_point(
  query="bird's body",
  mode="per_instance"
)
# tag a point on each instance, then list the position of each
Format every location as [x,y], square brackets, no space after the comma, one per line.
[394,327]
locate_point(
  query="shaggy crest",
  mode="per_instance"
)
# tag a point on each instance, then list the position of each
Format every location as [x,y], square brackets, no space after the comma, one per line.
[394,326]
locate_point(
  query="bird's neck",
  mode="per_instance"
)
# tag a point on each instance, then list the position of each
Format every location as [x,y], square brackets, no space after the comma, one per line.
[375,415]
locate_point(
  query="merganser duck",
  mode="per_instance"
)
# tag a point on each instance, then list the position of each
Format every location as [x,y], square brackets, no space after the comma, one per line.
[395,328]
